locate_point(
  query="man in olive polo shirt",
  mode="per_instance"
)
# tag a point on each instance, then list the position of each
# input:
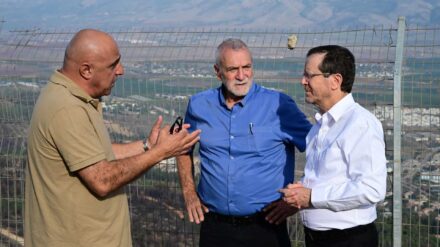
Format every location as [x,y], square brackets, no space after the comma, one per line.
[75,175]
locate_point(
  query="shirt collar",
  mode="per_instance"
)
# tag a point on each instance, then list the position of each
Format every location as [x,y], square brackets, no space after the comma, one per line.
[62,80]
[243,101]
[338,109]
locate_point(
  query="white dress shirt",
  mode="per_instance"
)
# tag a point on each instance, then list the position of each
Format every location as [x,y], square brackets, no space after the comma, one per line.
[345,168]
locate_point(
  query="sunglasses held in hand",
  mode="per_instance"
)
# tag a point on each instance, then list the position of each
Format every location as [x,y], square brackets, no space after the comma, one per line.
[177,125]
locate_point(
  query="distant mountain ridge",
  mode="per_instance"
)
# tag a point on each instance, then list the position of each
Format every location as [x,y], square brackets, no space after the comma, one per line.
[254,14]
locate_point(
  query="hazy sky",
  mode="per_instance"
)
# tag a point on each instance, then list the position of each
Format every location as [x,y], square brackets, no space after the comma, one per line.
[310,14]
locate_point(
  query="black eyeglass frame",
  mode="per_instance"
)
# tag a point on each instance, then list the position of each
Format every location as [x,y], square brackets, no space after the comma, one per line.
[310,76]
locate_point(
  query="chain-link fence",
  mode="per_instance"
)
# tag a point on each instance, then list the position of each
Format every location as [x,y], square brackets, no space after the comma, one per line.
[164,68]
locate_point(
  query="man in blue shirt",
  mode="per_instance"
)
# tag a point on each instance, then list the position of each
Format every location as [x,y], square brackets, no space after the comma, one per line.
[247,154]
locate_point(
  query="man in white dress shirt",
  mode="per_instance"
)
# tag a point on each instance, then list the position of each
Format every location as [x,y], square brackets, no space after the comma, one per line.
[345,173]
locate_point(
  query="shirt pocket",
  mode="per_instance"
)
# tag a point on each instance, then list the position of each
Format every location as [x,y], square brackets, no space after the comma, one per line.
[261,139]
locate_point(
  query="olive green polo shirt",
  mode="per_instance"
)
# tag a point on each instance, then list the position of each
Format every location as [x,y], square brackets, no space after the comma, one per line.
[66,134]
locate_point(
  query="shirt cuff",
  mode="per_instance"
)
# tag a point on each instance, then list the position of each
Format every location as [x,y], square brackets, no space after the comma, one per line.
[318,197]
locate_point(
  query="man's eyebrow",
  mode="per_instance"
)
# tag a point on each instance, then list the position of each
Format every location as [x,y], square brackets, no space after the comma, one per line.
[232,67]
[115,62]
[236,67]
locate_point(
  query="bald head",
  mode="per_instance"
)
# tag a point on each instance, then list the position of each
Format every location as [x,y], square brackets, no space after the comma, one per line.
[92,61]
[87,45]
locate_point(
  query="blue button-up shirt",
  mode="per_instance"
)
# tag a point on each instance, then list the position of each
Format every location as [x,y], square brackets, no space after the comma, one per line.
[247,152]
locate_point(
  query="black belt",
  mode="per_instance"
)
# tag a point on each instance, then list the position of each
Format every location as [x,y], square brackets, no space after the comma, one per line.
[335,234]
[235,220]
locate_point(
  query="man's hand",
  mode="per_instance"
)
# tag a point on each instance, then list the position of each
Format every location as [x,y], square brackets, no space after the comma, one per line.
[175,144]
[278,211]
[195,208]
[154,132]
[297,195]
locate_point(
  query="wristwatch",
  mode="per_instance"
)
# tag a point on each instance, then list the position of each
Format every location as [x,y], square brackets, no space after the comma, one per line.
[145,145]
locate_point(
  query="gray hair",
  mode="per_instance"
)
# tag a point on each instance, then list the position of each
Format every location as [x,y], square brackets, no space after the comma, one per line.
[231,43]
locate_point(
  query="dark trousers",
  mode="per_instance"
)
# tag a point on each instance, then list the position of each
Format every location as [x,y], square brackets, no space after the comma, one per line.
[359,236]
[224,231]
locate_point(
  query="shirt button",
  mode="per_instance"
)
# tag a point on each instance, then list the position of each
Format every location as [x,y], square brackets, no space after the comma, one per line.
[232,157]
[232,137]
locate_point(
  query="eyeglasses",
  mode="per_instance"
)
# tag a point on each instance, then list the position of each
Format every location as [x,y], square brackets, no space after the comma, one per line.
[177,125]
[310,76]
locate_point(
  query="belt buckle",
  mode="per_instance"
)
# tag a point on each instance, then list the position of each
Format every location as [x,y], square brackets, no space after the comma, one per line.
[240,220]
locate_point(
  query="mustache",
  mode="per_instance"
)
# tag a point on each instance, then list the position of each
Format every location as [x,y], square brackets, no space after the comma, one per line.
[245,81]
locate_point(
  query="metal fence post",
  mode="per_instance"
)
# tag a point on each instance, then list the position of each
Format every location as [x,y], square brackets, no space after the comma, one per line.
[397,112]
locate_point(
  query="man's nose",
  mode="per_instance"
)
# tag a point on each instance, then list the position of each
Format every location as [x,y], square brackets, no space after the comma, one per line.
[120,70]
[304,81]
[240,74]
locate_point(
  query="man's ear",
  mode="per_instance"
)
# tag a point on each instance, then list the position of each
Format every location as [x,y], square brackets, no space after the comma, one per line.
[336,81]
[86,71]
[217,71]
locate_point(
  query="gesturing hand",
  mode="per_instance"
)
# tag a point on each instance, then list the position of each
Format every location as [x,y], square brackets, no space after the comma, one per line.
[177,143]
[154,132]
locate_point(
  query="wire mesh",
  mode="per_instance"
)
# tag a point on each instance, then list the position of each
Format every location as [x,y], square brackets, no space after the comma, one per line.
[164,68]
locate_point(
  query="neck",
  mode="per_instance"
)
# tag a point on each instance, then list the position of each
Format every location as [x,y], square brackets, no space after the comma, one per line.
[78,80]
[332,101]
[230,102]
